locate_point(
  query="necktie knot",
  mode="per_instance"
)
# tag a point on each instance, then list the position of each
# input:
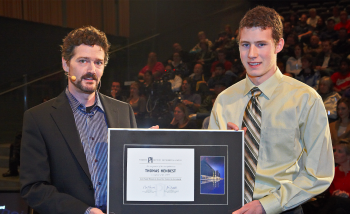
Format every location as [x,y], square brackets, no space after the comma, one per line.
[255,92]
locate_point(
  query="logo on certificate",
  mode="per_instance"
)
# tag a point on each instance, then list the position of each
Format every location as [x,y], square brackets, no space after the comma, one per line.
[150,159]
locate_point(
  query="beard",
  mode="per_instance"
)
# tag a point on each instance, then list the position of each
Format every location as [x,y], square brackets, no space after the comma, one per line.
[88,89]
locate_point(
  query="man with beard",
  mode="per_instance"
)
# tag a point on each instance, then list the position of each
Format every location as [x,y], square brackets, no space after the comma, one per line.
[64,143]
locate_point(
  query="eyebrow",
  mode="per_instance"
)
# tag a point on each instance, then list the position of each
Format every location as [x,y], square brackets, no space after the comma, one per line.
[84,57]
[255,41]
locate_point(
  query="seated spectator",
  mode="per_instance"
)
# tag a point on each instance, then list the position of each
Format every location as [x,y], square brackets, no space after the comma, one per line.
[320,26]
[221,59]
[180,67]
[209,101]
[219,75]
[293,19]
[302,29]
[153,65]
[202,37]
[229,31]
[172,77]
[342,45]
[329,97]
[191,100]
[313,47]
[287,29]
[183,54]
[294,62]
[197,76]
[340,129]
[329,33]
[344,22]
[312,20]
[336,15]
[341,79]
[339,190]
[224,43]
[181,119]
[147,83]
[327,62]
[205,57]
[116,91]
[137,102]
[307,75]
[288,48]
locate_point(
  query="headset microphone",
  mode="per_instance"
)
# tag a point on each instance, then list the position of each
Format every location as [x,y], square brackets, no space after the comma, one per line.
[73,78]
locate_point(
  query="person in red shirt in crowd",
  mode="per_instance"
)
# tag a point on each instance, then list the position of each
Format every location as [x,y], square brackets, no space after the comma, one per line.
[341,79]
[344,22]
[153,65]
[339,201]
[221,59]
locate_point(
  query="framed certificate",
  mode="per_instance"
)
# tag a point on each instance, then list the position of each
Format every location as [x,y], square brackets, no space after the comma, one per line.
[175,171]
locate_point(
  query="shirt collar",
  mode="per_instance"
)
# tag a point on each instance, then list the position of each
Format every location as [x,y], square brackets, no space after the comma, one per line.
[75,104]
[267,87]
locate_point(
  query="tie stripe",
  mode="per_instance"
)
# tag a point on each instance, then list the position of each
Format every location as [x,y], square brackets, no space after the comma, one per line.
[251,120]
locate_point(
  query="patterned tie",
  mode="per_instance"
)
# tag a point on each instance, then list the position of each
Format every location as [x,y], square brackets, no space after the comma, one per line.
[251,120]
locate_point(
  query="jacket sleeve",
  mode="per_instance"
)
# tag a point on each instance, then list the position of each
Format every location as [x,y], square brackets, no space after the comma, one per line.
[36,186]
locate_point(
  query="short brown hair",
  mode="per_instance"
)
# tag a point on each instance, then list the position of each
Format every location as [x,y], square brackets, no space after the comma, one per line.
[86,35]
[263,17]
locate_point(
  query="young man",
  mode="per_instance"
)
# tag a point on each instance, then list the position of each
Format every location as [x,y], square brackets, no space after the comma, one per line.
[64,140]
[288,150]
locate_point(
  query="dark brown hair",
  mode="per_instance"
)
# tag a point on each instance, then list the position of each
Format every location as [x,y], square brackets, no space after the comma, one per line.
[263,17]
[86,35]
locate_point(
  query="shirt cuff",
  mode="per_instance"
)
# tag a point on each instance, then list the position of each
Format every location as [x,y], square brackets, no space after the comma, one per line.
[88,210]
[271,204]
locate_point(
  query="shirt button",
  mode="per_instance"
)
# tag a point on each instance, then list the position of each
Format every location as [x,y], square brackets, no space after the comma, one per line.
[96,160]
[99,183]
[92,138]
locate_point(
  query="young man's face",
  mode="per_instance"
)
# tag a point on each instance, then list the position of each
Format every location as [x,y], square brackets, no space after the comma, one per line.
[258,53]
[87,66]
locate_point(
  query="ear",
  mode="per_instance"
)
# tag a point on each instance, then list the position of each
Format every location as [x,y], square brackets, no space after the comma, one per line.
[279,46]
[65,65]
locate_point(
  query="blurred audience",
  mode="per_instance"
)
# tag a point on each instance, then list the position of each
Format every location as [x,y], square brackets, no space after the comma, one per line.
[329,97]
[341,79]
[342,45]
[339,202]
[221,56]
[308,75]
[326,61]
[116,91]
[153,65]
[294,62]
[181,118]
[137,102]
[344,22]
[340,129]
[219,75]
[202,37]
[313,18]
[173,77]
